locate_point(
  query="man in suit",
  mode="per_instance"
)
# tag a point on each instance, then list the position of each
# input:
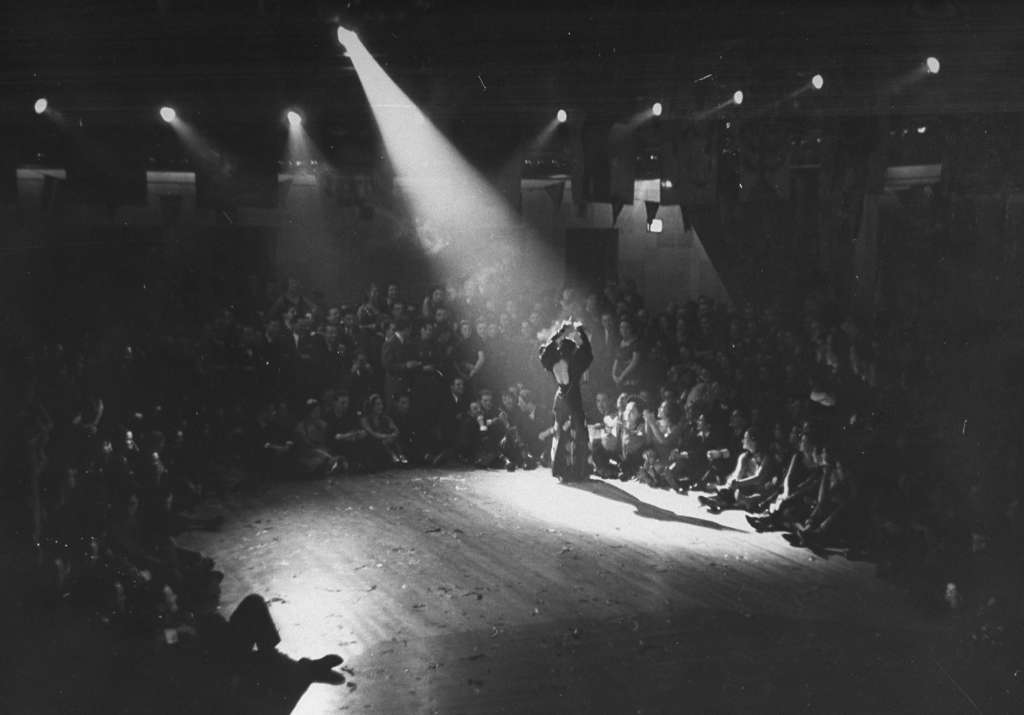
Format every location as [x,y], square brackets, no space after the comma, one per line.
[398,358]
[605,342]
[273,352]
[453,404]
[306,351]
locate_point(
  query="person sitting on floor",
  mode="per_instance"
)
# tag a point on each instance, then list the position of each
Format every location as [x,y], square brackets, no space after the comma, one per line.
[665,433]
[633,441]
[348,439]
[385,447]
[311,439]
[749,481]
[604,438]
[831,520]
[800,486]
[533,433]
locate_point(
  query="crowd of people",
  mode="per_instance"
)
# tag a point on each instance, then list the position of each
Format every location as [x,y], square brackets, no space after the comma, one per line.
[784,411]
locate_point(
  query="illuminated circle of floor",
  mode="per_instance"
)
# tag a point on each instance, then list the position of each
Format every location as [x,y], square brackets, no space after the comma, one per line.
[420,578]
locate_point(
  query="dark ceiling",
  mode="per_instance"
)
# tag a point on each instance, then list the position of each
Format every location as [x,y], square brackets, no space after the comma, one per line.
[503,64]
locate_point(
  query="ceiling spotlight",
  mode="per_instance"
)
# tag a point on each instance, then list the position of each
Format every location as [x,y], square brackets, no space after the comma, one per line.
[817,81]
[294,118]
[656,226]
[562,116]
[922,129]
[932,63]
[168,114]
[656,109]
[345,36]
[41,105]
[737,97]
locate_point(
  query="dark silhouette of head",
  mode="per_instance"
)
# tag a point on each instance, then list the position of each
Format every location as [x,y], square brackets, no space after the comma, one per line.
[566,348]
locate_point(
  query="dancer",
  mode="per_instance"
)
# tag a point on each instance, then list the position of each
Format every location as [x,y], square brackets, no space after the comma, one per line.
[567,361]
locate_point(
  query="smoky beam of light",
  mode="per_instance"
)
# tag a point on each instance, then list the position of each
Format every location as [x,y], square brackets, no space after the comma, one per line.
[714,110]
[464,223]
[195,143]
[302,155]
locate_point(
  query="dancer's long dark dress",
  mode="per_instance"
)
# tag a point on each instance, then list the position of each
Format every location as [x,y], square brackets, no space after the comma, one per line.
[569,444]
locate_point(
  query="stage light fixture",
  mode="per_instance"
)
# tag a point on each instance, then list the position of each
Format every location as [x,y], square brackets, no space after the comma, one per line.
[817,81]
[294,118]
[41,105]
[932,63]
[562,116]
[656,226]
[737,97]
[922,129]
[168,114]
[656,109]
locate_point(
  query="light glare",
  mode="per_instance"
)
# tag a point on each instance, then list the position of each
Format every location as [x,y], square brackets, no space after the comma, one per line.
[345,36]
[817,81]
[41,105]
[294,118]
[933,65]
[563,116]
[168,114]
[656,109]
[655,226]
[737,97]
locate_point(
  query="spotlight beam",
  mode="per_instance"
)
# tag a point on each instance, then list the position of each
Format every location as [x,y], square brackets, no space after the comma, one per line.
[468,227]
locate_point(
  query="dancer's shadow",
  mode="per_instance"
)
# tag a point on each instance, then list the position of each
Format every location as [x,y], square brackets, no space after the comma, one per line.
[649,511]
[274,685]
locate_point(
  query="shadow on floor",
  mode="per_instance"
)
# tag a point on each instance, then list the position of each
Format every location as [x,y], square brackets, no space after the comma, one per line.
[648,511]
[76,665]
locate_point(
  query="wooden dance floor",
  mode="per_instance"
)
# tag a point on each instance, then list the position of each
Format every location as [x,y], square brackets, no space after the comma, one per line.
[481,592]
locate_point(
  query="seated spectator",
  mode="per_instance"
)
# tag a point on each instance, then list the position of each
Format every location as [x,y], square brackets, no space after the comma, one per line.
[749,481]
[632,441]
[665,466]
[314,456]
[495,424]
[269,445]
[384,446]
[413,439]
[450,410]
[604,437]
[348,438]
[703,447]
[533,433]
[831,521]
[800,486]
[362,379]
[468,356]
[291,299]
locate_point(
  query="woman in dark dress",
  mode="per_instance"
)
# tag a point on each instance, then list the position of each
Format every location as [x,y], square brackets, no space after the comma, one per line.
[567,361]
